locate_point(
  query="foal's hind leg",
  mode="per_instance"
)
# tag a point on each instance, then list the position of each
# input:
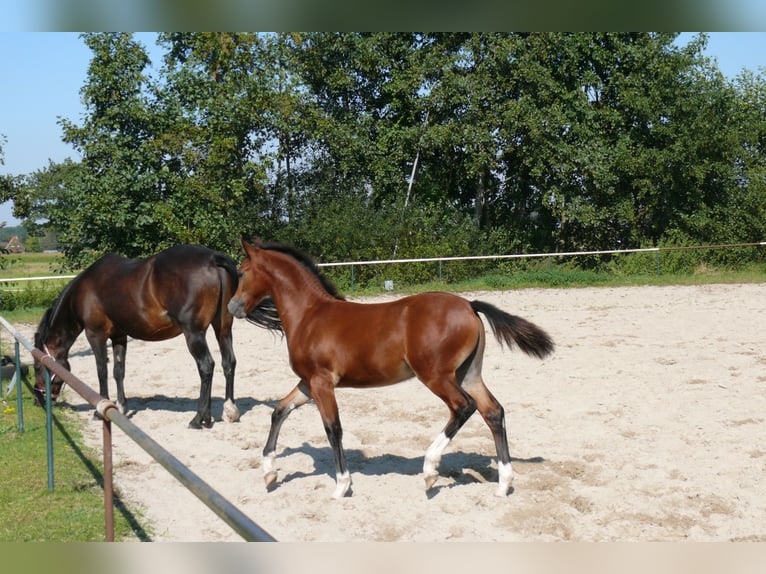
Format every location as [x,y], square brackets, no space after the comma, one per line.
[493,414]
[461,407]
[295,398]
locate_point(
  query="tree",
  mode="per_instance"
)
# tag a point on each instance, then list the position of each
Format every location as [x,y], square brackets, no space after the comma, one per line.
[377,143]
[213,98]
[115,202]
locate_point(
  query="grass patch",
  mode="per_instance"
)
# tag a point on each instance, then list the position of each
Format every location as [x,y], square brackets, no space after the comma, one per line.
[572,278]
[31,265]
[74,510]
[22,295]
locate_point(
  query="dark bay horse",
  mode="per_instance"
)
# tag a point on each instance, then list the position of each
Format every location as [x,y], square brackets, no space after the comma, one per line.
[436,337]
[183,289]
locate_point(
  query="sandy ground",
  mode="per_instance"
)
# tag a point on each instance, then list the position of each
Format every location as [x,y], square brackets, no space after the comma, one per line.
[646,424]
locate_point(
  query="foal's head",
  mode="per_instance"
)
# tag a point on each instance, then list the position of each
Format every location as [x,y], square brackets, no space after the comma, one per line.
[252,287]
[255,278]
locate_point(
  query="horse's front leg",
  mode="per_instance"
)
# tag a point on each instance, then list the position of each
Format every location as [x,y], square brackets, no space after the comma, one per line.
[119,347]
[98,345]
[295,398]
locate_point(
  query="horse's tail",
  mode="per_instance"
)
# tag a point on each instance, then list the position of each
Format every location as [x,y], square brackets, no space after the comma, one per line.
[510,329]
[227,264]
[265,314]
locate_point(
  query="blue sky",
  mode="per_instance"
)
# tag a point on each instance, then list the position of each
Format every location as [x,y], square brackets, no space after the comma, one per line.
[42,73]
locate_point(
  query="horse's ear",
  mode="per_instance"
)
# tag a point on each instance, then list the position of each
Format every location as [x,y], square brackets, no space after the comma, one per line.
[249,249]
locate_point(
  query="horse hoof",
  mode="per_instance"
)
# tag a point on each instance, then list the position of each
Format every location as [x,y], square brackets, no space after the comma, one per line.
[430,479]
[230,412]
[198,424]
[341,492]
[343,486]
[270,479]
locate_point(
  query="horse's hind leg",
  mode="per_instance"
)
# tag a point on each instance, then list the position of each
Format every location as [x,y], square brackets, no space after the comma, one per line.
[205,365]
[494,415]
[295,398]
[229,361]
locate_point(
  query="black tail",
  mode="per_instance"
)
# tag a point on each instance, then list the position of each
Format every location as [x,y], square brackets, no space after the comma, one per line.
[264,315]
[228,265]
[510,329]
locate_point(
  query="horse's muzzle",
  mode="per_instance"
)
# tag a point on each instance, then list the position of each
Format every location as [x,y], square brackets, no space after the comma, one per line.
[39,395]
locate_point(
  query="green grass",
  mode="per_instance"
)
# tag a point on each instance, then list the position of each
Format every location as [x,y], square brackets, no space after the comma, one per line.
[74,510]
[557,277]
[17,298]
[31,265]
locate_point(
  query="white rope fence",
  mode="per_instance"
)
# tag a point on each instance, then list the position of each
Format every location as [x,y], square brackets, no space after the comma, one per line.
[475,257]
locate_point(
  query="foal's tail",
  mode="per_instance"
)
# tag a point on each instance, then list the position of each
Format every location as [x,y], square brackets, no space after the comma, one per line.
[510,329]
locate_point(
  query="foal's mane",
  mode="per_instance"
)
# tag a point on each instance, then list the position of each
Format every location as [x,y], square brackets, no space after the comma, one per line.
[308,262]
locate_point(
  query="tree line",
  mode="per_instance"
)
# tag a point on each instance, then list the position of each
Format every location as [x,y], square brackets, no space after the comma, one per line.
[381,145]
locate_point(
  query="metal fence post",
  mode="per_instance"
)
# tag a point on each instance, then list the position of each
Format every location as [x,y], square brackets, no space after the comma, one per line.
[108,483]
[19,406]
[49,426]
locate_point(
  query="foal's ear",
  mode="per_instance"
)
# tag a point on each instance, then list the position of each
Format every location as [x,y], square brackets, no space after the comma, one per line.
[249,249]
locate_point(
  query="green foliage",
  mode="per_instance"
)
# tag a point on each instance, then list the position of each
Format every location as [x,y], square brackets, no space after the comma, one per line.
[14,296]
[381,145]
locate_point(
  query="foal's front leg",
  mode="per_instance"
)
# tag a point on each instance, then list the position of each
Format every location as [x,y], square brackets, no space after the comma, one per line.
[298,396]
[323,392]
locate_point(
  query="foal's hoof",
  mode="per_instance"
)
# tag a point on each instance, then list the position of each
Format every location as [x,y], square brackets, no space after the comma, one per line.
[502,490]
[430,479]
[270,479]
[342,486]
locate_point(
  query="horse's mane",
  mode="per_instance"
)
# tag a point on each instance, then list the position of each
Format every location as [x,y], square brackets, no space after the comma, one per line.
[51,314]
[308,262]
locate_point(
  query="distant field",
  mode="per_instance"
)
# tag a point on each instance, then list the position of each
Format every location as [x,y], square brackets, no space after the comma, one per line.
[31,265]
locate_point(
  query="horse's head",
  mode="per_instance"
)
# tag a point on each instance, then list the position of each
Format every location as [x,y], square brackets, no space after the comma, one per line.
[253,287]
[53,348]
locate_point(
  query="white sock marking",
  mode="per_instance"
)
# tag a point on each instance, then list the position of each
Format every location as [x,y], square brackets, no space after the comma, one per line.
[434,454]
[505,472]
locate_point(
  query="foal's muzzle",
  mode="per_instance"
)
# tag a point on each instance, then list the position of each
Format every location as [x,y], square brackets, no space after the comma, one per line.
[237,308]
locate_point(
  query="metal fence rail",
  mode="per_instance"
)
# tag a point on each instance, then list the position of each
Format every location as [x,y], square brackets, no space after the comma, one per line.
[241,524]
